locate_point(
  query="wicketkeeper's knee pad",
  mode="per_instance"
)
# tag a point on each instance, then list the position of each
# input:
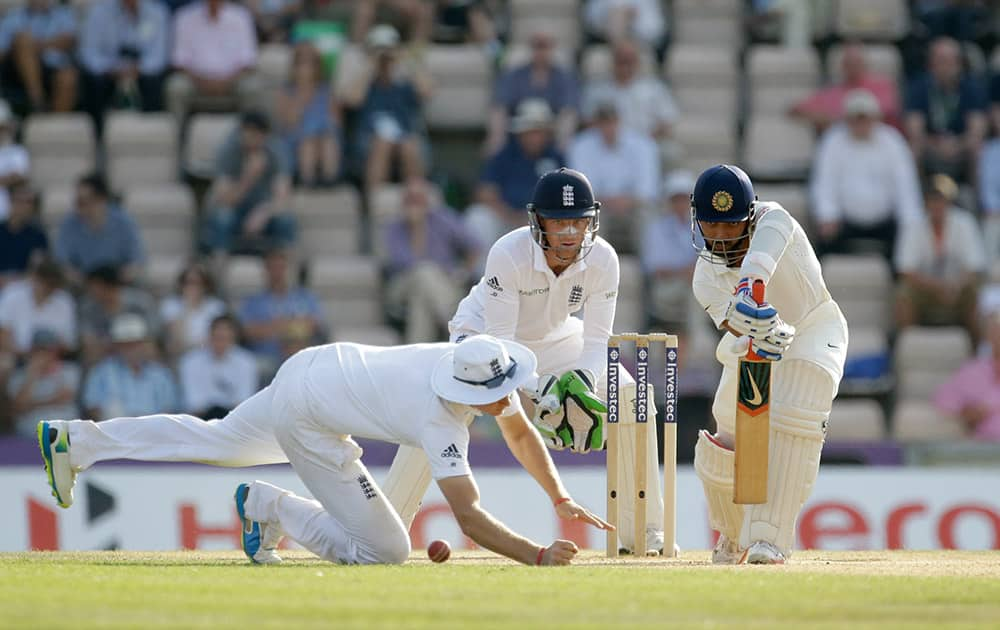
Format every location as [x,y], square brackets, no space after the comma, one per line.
[627,464]
[802,395]
[713,463]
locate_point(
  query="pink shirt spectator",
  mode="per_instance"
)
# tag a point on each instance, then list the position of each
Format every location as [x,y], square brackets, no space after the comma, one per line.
[977,383]
[828,102]
[215,49]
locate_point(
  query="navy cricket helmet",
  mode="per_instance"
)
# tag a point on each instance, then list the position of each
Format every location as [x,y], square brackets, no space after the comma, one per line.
[723,194]
[564,194]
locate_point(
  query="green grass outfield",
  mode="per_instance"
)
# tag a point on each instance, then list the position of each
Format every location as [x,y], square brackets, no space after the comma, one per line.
[955,589]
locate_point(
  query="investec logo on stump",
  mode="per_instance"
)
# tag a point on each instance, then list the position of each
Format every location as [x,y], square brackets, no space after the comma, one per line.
[669,408]
[641,372]
[612,402]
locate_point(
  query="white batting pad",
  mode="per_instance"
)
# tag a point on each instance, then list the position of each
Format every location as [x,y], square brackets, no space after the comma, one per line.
[800,406]
[713,463]
[407,482]
[626,470]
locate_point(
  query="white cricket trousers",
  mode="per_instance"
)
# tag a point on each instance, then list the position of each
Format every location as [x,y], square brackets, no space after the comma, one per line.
[350,521]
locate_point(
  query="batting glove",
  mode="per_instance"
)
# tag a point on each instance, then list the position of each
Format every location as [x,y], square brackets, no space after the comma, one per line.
[745,316]
[772,346]
[583,428]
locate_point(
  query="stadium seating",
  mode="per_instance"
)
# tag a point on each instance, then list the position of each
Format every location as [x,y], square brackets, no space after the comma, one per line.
[141,149]
[777,149]
[882,20]
[205,134]
[926,357]
[560,18]
[463,81]
[862,286]
[62,148]
[918,421]
[857,420]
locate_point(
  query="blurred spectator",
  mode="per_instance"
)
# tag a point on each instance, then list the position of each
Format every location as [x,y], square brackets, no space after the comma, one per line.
[15,163]
[668,254]
[105,297]
[98,233]
[989,197]
[940,263]
[309,123]
[623,165]
[825,106]
[124,52]
[214,52]
[188,313]
[973,392]
[274,19]
[282,308]
[945,114]
[644,103]
[46,387]
[539,78]
[22,239]
[432,258]
[864,180]
[964,20]
[509,176]
[250,200]
[37,42]
[131,382]
[621,20]
[35,303]
[219,376]
[389,100]
[417,16]
[458,21]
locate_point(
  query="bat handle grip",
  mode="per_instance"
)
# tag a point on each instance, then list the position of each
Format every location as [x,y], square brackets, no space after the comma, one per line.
[757,291]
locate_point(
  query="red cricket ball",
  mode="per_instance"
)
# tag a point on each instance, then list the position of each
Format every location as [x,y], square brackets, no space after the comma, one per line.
[438,551]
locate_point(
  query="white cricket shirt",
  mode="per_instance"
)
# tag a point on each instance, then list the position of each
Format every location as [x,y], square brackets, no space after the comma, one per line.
[384,393]
[519,298]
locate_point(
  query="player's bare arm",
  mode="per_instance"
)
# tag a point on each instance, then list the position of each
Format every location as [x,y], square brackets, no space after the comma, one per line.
[462,495]
[527,446]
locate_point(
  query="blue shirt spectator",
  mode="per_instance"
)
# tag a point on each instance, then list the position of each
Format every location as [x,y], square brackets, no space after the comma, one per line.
[514,172]
[539,78]
[44,21]
[281,310]
[115,35]
[21,238]
[98,233]
[945,110]
[130,383]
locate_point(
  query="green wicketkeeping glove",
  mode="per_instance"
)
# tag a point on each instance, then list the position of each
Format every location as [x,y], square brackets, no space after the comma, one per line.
[549,413]
[583,428]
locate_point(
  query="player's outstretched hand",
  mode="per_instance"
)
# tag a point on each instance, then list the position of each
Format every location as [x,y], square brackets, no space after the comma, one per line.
[561,552]
[571,510]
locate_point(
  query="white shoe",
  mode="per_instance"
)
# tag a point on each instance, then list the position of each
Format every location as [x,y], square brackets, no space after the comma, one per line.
[726,551]
[762,552]
[654,544]
[258,539]
[53,441]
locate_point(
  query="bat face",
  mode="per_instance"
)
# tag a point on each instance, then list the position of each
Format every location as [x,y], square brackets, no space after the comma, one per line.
[754,387]
[753,427]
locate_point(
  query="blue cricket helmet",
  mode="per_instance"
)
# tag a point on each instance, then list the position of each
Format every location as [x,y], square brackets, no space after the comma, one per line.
[564,194]
[723,194]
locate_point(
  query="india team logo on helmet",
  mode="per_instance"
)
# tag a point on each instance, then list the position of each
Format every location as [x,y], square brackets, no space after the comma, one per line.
[722,194]
[722,201]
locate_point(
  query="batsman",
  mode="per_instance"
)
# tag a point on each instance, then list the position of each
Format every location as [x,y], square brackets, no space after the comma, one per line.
[798,328]
[552,286]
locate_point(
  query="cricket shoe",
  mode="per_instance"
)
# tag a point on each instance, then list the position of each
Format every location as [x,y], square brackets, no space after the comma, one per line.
[259,540]
[654,544]
[53,441]
[762,552]
[726,551]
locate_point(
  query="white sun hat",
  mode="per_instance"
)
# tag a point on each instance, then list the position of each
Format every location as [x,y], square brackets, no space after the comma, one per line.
[482,370]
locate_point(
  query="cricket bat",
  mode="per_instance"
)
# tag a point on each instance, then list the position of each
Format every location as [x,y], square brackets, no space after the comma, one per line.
[753,423]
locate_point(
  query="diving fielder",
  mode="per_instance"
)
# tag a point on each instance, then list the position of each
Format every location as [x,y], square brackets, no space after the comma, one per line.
[537,279]
[423,396]
[800,328]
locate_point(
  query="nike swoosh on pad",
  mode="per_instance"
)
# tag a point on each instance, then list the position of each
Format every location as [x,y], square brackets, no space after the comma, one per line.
[757,398]
[830,345]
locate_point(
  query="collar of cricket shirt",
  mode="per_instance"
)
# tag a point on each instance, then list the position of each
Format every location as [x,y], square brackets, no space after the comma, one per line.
[539,263]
